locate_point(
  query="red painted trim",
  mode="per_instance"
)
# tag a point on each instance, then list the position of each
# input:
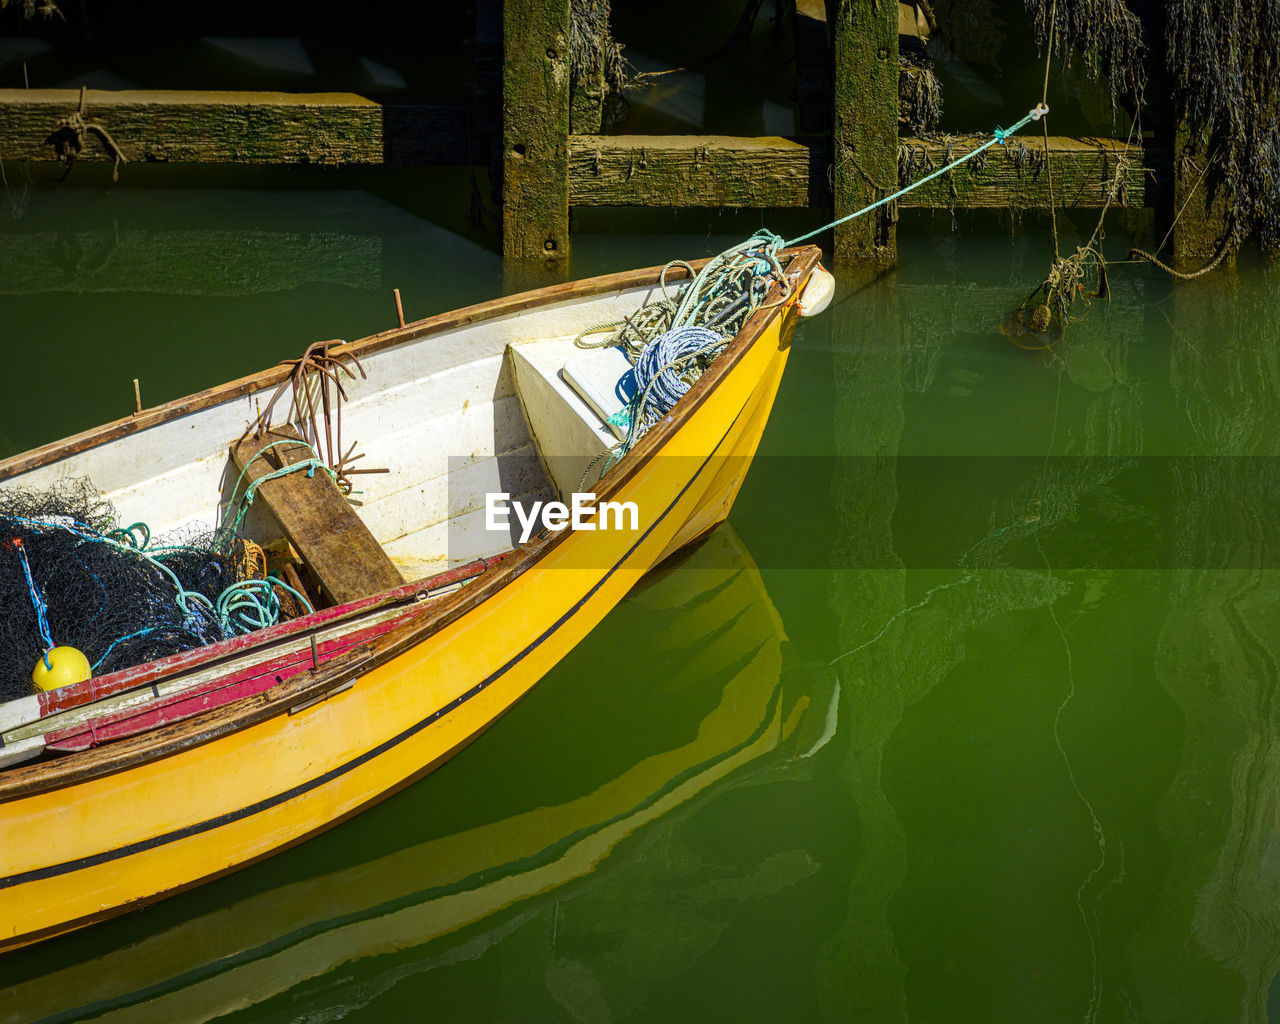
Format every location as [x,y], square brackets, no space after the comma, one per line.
[73,696]
[213,693]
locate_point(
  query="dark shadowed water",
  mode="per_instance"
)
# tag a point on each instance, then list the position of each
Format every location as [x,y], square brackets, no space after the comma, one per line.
[970,714]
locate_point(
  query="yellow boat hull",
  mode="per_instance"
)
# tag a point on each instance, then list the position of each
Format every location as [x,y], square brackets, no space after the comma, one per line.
[216,801]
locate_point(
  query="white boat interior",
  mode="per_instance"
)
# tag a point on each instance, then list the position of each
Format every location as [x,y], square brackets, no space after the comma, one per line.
[452,415]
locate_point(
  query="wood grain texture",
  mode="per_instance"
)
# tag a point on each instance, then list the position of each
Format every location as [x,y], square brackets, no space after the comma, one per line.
[237,127]
[691,170]
[1013,176]
[332,540]
[535,129]
[586,93]
[710,170]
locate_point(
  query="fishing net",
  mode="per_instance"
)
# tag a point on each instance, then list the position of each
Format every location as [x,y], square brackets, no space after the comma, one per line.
[111,592]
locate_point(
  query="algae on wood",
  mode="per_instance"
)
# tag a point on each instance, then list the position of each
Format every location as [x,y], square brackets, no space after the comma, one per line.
[1014,176]
[236,127]
[535,129]
[718,170]
[865,124]
[689,170]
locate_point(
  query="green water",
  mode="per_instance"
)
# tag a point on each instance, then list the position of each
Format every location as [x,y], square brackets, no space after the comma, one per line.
[970,716]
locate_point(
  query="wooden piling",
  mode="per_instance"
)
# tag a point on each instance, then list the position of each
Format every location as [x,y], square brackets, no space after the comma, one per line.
[865,124]
[535,129]
[1200,223]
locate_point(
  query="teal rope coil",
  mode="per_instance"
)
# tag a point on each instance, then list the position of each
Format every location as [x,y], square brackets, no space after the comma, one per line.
[254,604]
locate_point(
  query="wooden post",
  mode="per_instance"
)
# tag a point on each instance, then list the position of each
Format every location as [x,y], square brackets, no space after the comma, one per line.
[535,129]
[865,125]
[1199,228]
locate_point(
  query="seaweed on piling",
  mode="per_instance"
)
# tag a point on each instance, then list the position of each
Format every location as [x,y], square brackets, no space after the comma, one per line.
[1106,34]
[919,94]
[1224,60]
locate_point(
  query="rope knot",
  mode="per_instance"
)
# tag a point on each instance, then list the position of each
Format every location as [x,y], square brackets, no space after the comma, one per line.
[70,134]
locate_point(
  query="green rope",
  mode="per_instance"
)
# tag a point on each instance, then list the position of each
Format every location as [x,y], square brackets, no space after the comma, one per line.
[309,465]
[999,136]
[253,604]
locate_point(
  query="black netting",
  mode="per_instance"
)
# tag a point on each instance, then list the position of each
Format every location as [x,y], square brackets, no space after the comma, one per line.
[118,606]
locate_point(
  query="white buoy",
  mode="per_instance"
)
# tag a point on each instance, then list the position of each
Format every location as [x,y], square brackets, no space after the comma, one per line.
[818,292]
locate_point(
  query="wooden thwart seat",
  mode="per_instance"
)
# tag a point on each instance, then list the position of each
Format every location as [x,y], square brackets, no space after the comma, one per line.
[318,521]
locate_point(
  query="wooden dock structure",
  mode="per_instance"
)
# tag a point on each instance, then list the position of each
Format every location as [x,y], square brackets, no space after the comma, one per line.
[525,120]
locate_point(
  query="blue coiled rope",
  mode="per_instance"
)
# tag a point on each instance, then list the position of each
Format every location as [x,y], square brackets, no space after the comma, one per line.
[659,383]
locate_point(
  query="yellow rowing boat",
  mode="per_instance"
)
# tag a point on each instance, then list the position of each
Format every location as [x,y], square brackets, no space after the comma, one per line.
[358,700]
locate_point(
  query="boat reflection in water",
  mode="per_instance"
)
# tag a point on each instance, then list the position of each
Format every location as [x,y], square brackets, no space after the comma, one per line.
[704,702]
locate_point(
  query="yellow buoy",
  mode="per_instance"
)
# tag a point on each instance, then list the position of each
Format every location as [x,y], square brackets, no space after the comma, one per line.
[66,666]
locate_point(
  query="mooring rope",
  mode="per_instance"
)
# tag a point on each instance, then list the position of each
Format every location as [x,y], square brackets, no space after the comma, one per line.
[671,341]
[999,136]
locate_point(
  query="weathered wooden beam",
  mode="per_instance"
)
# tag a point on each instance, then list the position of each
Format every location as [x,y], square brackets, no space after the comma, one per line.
[1013,176]
[235,127]
[864,135]
[692,170]
[712,171]
[535,129]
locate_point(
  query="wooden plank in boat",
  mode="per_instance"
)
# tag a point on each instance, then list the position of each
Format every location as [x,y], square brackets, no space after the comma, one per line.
[332,540]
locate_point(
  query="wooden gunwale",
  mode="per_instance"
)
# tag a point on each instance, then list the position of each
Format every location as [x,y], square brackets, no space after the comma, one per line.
[27,779]
[493,308]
